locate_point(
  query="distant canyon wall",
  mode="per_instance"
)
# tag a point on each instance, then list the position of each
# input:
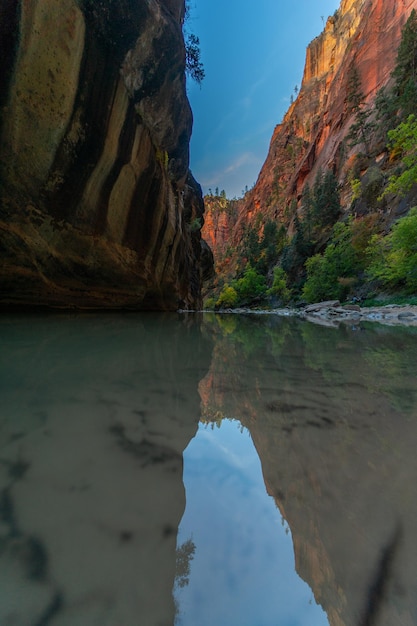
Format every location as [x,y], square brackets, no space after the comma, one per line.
[97,204]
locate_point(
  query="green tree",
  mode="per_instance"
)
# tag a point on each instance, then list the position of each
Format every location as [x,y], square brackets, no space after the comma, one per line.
[394,257]
[250,248]
[321,283]
[251,286]
[227,299]
[332,274]
[355,95]
[268,247]
[279,286]
[402,142]
[193,65]
[184,556]
[307,207]
[326,199]
[361,130]
[386,111]
[301,241]
[405,72]
[296,251]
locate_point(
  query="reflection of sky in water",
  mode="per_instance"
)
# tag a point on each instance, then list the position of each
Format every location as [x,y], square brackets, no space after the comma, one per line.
[243,569]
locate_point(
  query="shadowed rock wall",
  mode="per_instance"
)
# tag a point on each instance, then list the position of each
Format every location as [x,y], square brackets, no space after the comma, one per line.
[98,208]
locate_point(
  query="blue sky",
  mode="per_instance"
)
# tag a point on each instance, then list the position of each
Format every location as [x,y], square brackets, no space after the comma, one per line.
[253,54]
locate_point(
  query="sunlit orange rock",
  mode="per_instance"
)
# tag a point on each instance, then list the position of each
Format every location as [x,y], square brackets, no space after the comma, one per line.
[365,33]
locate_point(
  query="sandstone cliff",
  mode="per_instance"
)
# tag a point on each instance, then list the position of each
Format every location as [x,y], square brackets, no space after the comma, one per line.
[312,135]
[98,208]
[220,217]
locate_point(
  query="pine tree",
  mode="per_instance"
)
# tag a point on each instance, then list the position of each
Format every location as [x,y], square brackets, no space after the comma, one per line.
[405,72]
[193,65]
[362,128]
[307,205]
[330,209]
[386,111]
[355,95]
[326,199]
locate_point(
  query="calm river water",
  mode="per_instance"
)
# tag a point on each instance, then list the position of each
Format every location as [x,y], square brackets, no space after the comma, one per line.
[204,470]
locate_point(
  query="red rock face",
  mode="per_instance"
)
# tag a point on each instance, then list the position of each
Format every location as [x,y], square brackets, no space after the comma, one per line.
[364,32]
[220,217]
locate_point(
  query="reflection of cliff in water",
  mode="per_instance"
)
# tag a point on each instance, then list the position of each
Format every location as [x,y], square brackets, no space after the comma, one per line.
[332,413]
[96,412]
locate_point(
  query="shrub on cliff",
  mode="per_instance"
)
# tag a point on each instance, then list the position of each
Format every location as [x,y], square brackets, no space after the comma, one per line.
[362,129]
[193,65]
[394,257]
[405,72]
[403,145]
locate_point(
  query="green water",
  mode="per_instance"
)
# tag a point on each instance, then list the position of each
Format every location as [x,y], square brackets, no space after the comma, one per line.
[220,471]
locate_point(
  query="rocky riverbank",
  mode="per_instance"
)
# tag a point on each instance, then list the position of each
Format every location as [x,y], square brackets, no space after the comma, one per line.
[332,313]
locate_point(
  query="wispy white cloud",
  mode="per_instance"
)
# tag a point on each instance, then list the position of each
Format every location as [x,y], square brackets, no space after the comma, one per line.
[237,163]
[234,175]
[240,160]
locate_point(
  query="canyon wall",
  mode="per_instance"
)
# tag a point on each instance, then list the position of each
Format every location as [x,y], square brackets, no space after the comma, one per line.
[97,204]
[362,33]
[312,136]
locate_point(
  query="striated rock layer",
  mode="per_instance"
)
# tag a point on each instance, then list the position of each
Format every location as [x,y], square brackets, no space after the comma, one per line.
[365,33]
[98,207]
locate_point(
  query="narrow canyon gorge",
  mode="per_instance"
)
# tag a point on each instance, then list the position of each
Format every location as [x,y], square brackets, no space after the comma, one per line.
[312,137]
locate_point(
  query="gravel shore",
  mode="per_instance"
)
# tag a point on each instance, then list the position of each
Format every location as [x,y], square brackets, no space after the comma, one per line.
[332,312]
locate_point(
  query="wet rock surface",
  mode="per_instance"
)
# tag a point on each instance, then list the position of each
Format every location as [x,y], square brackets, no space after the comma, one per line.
[332,313]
